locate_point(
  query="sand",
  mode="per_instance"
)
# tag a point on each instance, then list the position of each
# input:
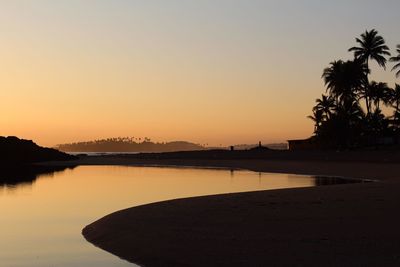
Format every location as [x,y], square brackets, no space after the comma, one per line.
[340,225]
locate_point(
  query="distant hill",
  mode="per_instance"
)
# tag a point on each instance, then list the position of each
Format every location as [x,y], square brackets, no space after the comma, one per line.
[19,151]
[128,145]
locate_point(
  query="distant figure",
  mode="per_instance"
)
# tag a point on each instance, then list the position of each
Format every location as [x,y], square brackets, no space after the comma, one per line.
[259,144]
[232,148]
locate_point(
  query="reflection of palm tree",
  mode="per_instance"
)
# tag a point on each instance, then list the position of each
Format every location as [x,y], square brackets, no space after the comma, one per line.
[372,46]
[326,104]
[396,59]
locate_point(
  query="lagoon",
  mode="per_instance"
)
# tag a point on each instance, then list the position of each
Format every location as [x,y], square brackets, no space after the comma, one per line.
[42,218]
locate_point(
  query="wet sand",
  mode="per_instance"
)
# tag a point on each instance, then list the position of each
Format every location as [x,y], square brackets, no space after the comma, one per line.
[341,225]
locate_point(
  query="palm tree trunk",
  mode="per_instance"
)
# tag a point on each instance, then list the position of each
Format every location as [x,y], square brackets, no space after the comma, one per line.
[367,103]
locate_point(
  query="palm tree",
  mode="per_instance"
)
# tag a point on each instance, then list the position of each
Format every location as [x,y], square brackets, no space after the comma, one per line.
[372,46]
[318,118]
[379,92]
[343,79]
[365,93]
[326,104]
[377,123]
[396,59]
[395,103]
[351,111]
[395,97]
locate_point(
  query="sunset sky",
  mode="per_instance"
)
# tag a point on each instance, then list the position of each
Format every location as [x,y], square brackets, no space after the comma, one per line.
[209,71]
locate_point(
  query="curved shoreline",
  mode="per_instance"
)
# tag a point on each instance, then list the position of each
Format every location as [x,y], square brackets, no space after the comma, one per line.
[343,225]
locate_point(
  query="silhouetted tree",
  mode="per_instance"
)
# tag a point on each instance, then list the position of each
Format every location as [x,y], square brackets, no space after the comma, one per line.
[351,111]
[379,92]
[343,127]
[326,104]
[371,46]
[396,59]
[340,121]
[377,123]
[395,97]
[317,118]
[343,79]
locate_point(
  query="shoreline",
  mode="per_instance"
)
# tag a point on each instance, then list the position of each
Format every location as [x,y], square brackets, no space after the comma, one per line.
[376,171]
[338,224]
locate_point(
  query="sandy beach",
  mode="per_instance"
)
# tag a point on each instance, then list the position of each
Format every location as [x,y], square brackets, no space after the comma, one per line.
[340,225]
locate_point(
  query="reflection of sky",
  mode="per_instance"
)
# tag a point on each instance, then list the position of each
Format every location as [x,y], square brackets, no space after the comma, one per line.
[40,225]
[112,68]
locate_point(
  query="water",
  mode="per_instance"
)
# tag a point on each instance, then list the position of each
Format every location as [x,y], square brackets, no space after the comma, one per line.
[42,218]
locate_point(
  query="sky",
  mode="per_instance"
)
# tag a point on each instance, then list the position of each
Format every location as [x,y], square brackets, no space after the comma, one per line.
[215,72]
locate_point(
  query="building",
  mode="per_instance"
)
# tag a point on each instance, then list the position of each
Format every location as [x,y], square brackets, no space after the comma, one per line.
[302,144]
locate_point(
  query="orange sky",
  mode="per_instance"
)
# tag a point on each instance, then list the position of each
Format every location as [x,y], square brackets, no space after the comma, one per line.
[216,73]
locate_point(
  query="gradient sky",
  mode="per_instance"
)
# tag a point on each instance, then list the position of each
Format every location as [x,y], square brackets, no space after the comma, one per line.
[209,71]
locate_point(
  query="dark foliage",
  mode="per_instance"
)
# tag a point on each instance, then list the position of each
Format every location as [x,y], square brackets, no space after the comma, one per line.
[16,151]
[396,59]
[128,144]
[340,121]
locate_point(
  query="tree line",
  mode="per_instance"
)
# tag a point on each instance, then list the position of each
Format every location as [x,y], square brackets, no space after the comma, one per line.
[128,144]
[349,114]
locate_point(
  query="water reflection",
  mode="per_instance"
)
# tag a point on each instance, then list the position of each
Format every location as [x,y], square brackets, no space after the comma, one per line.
[41,225]
[13,177]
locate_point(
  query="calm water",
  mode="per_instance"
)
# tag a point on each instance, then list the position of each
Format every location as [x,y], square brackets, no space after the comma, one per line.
[42,218]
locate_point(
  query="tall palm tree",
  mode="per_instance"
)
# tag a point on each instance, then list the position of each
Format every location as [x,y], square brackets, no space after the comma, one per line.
[326,104]
[365,93]
[372,46]
[343,79]
[396,59]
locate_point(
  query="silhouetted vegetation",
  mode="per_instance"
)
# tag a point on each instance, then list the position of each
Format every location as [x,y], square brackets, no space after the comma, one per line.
[350,114]
[15,151]
[128,144]
[396,59]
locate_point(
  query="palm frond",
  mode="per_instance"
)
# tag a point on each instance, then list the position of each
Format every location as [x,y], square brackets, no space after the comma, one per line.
[371,46]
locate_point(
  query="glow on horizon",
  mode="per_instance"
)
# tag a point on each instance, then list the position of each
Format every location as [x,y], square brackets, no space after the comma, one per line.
[216,72]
